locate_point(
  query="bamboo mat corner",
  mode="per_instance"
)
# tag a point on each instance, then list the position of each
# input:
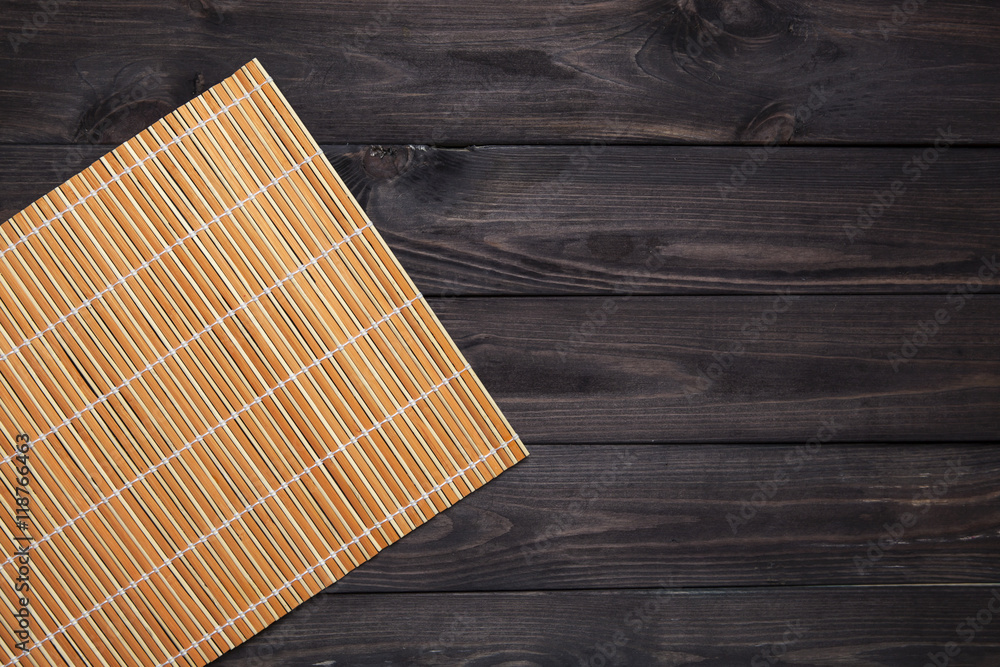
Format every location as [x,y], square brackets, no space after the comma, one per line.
[219,392]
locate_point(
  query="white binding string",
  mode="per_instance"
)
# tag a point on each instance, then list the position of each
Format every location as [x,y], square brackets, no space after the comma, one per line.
[145,577]
[201,437]
[128,170]
[149,262]
[333,554]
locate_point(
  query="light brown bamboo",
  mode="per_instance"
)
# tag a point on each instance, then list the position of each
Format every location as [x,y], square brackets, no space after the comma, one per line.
[234,393]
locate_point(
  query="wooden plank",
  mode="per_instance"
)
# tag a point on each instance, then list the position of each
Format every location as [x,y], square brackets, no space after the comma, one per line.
[736,369]
[669,220]
[461,73]
[865,626]
[525,220]
[628,516]
[576,353]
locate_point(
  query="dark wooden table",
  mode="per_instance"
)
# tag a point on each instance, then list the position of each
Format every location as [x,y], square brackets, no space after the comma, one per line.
[729,268]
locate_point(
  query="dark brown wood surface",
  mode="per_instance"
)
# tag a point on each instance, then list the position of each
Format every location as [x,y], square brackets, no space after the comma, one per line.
[671,219]
[695,341]
[661,626]
[628,516]
[565,71]
[735,368]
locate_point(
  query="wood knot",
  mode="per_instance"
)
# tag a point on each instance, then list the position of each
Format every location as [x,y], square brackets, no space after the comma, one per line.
[198,85]
[774,124]
[134,101]
[749,17]
[706,20]
[382,163]
[720,40]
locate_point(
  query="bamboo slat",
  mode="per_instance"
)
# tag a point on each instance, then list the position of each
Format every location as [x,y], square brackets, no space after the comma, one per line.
[219,392]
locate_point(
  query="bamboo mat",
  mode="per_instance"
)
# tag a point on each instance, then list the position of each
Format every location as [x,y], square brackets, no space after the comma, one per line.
[219,392]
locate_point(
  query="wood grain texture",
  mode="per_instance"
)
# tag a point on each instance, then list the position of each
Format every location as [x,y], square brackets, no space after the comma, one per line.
[669,220]
[647,220]
[670,369]
[629,516]
[812,627]
[562,180]
[628,71]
